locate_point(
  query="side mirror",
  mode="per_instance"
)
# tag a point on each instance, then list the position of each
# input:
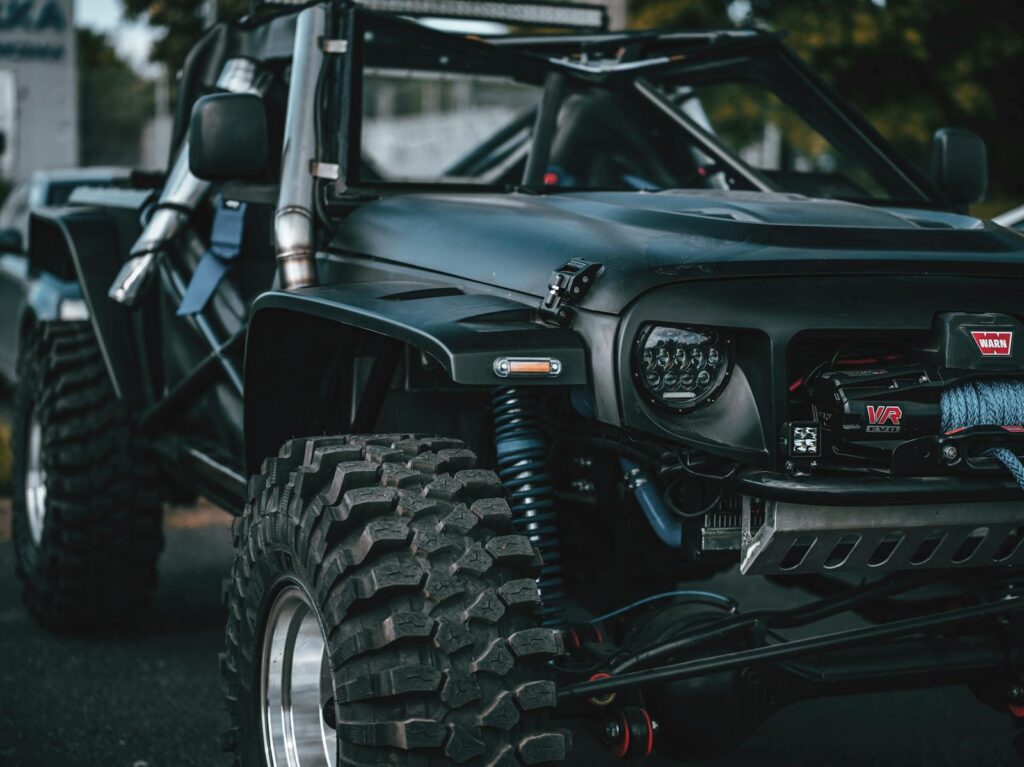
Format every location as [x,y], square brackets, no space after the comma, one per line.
[10,241]
[960,166]
[228,137]
[3,143]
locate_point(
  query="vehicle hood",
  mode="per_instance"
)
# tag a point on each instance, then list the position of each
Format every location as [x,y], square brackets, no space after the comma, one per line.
[644,240]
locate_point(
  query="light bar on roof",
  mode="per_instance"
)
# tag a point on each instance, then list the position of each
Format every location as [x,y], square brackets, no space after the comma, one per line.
[533,14]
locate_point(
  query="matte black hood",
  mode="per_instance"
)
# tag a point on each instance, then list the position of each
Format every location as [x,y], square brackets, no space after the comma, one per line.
[644,240]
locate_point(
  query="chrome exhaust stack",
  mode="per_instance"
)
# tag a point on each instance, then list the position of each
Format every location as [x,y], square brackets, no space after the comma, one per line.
[182,192]
[293,222]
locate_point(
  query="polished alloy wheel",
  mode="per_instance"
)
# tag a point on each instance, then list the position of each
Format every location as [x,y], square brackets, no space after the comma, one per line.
[35,481]
[295,685]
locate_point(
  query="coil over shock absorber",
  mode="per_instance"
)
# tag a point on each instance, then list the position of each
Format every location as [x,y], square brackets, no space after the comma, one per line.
[522,453]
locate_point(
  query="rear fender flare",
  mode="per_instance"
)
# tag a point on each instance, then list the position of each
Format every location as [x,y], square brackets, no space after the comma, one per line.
[84,246]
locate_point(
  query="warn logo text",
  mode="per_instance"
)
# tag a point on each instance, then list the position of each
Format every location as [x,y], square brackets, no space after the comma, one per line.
[993,343]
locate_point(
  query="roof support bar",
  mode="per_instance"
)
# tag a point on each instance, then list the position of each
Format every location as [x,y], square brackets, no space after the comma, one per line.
[544,131]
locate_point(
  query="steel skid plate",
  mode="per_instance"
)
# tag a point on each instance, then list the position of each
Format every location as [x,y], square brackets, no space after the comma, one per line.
[798,539]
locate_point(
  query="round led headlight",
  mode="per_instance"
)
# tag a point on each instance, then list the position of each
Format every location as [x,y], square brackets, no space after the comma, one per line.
[681,367]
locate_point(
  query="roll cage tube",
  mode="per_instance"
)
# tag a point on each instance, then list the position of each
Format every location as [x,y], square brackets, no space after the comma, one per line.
[784,74]
[702,138]
[669,55]
[544,131]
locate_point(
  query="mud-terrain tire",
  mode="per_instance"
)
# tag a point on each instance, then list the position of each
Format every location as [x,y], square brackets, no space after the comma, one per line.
[428,603]
[87,511]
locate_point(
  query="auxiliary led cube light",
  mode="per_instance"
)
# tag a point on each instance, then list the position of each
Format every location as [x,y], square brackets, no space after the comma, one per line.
[803,439]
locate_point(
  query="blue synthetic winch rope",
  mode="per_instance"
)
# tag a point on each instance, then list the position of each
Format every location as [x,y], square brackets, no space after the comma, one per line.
[983,403]
[1010,461]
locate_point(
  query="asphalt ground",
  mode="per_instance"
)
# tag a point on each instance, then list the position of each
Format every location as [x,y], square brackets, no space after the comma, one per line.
[145,697]
[150,696]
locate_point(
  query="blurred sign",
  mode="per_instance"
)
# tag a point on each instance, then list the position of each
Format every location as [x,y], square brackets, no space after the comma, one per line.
[39,26]
[38,86]
[32,16]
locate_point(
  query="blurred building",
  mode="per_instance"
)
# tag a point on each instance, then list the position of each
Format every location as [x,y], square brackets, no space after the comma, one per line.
[38,86]
[618,12]
[155,142]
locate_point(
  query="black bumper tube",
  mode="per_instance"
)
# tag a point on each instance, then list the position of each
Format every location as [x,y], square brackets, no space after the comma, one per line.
[867,490]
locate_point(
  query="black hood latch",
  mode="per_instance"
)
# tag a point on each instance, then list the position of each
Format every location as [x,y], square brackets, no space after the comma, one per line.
[568,285]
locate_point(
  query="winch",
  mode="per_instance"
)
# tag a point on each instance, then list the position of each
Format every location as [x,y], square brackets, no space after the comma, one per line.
[943,406]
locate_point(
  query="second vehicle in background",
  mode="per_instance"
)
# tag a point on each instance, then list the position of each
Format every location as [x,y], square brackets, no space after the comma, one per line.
[24,299]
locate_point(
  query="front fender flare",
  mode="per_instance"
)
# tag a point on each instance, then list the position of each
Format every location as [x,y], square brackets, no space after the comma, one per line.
[294,336]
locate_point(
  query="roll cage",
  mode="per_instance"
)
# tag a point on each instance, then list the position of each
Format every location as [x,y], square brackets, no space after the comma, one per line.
[629,64]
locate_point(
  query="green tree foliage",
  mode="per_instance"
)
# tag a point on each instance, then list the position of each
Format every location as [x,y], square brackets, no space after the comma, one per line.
[910,65]
[114,103]
[184,21]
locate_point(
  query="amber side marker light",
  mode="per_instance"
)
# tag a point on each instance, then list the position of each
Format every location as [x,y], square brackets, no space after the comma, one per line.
[527,367]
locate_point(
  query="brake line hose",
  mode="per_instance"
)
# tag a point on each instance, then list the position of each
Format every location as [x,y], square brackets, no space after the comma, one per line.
[983,403]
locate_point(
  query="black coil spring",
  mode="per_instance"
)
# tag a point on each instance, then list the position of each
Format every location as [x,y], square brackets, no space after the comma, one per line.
[522,456]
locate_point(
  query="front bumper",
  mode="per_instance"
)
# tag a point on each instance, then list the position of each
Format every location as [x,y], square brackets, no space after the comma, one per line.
[870,490]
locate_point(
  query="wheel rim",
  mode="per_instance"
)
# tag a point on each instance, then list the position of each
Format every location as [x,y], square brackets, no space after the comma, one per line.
[35,480]
[296,685]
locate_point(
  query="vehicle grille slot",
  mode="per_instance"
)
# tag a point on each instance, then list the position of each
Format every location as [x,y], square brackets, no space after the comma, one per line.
[1009,545]
[721,529]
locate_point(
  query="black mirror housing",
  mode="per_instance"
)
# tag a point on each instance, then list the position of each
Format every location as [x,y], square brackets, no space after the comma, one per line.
[960,165]
[228,137]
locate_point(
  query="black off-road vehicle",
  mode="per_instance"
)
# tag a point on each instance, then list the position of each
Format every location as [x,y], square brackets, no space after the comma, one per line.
[674,309]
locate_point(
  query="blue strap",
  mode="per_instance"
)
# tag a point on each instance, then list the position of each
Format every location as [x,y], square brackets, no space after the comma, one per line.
[225,245]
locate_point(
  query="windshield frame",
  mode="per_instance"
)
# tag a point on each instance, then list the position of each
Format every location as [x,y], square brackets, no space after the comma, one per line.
[654,56]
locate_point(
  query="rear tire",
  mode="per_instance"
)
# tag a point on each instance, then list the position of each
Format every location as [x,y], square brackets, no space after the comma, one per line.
[426,604]
[86,507]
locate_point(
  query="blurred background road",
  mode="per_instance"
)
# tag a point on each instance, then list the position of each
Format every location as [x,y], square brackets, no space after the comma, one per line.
[150,697]
[147,696]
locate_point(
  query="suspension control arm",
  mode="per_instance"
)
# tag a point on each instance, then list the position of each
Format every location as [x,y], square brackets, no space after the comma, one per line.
[792,649]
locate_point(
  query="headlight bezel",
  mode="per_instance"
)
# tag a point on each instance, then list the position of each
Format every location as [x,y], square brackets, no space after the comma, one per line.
[704,394]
